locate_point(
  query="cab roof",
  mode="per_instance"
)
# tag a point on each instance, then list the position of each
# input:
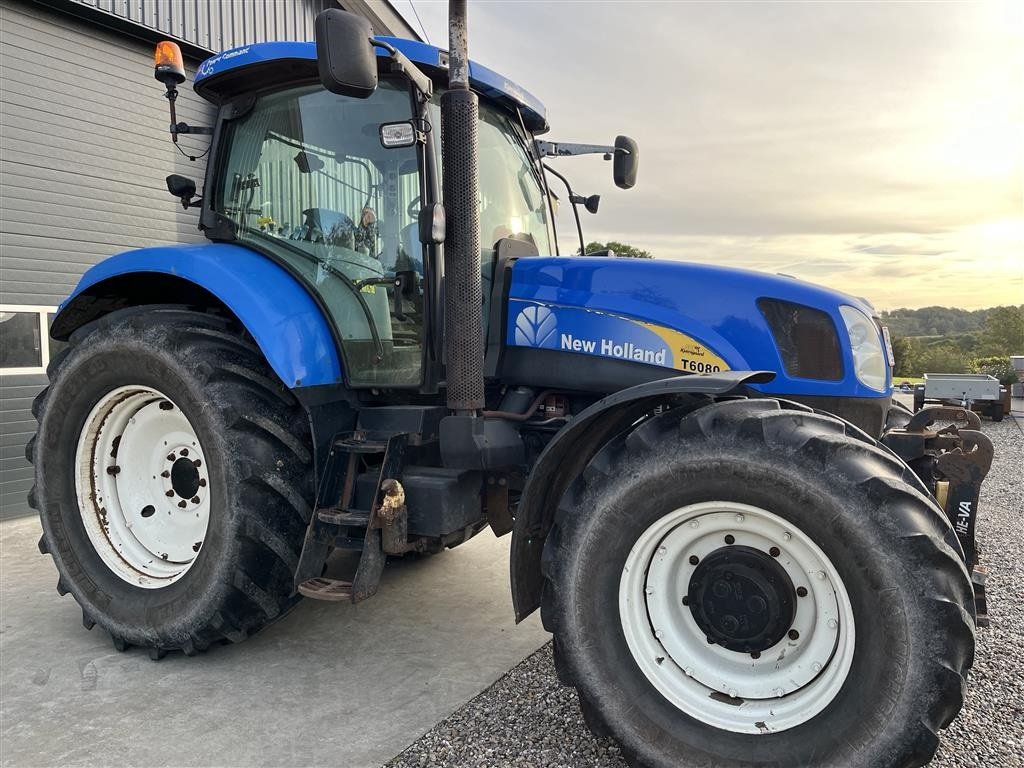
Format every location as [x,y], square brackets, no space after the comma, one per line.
[259,65]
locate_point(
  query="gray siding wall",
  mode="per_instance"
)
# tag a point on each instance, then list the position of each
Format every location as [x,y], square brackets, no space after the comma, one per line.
[84,149]
[216,26]
[84,152]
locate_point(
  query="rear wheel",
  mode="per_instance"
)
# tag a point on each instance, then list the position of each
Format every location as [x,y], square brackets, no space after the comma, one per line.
[749,585]
[173,480]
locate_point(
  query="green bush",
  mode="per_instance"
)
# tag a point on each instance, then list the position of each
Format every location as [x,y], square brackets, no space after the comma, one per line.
[999,367]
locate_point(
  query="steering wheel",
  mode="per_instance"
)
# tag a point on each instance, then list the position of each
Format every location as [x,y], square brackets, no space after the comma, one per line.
[414,207]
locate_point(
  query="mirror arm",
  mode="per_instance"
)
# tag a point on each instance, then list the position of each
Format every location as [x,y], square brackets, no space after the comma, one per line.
[561,149]
[400,63]
[177,128]
[573,197]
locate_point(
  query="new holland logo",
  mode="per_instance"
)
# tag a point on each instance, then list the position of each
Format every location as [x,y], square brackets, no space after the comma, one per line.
[536,327]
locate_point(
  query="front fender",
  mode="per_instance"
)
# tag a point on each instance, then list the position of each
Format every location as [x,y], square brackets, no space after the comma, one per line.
[275,308]
[569,452]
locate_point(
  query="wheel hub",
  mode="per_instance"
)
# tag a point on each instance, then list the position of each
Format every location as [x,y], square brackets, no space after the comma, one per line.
[742,599]
[143,486]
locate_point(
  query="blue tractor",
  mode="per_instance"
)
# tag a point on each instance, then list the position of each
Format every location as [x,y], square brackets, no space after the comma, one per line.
[746,553]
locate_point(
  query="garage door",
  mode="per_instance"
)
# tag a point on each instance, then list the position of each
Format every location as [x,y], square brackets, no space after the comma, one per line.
[84,152]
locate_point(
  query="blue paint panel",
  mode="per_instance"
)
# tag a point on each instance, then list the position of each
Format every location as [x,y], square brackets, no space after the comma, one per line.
[486,81]
[599,298]
[275,308]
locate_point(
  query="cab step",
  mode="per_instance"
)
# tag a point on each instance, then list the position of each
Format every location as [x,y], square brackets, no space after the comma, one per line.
[331,590]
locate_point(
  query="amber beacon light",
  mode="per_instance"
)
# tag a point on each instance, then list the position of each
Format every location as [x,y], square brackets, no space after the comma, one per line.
[170,67]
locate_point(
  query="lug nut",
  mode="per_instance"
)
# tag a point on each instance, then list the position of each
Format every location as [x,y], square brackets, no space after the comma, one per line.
[197,463]
[170,493]
[170,457]
[202,482]
[740,518]
[755,655]
[786,536]
[730,539]
[165,473]
[801,591]
[774,552]
[793,634]
[195,499]
[779,692]
[183,452]
[695,523]
[832,623]
[694,559]
[816,667]
[113,470]
[686,600]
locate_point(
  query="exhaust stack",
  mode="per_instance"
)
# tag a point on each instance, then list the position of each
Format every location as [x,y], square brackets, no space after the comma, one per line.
[463,339]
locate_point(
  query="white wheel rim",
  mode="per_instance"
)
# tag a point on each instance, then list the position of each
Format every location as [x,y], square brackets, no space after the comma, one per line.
[143,486]
[789,683]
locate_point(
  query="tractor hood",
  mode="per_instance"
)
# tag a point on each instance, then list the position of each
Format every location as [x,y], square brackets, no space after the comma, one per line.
[693,318]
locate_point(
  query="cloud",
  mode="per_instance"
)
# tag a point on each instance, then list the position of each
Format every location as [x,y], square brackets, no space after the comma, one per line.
[861,145]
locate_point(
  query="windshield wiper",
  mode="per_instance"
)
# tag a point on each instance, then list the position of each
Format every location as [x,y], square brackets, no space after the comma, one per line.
[367,312]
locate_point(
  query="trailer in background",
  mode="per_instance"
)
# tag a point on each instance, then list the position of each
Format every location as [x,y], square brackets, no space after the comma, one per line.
[977,391]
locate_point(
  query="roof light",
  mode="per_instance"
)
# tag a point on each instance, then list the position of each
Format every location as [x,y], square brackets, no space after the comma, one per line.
[170,66]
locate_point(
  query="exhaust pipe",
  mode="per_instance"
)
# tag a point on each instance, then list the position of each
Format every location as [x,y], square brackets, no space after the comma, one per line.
[463,335]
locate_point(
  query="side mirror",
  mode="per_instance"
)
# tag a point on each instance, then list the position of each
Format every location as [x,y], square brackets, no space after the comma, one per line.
[626,162]
[344,53]
[182,188]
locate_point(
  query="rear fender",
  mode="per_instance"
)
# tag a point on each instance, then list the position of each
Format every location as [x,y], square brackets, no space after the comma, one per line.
[571,450]
[276,309]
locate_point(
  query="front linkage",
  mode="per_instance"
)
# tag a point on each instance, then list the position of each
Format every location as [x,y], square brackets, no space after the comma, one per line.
[952,462]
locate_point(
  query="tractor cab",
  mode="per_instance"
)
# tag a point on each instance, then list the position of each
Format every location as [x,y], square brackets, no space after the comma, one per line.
[344,192]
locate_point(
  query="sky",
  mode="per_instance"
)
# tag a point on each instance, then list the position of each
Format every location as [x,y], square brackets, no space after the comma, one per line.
[872,147]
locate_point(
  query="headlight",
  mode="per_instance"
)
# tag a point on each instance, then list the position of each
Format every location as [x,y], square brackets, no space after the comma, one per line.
[868,355]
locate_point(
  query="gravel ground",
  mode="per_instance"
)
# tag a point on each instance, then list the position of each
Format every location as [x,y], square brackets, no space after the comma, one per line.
[527,719]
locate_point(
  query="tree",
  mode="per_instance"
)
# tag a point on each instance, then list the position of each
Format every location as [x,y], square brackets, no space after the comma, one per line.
[1004,332]
[907,355]
[621,249]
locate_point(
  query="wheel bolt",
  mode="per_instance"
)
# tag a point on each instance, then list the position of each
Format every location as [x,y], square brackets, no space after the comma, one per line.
[774,552]
[170,457]
[786,536]
[182,504]
[165,473]
[694,559]
[832,623]
[184,452]
[755,655]
[686,600]
[197,463]
[695,523]
[740,518]
[113,470]
[195,499]
[816,667]
[170,493]
[202,482]
[730,539]
[793,634]
[801,591]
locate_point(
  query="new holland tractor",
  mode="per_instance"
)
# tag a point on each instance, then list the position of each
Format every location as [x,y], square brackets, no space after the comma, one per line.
[746,553]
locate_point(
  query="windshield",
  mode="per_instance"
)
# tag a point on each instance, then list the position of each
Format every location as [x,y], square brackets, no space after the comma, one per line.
[306,178]
[512,200]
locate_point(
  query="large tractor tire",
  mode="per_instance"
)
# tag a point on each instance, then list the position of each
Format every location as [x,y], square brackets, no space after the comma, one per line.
[752,585]
[173,477]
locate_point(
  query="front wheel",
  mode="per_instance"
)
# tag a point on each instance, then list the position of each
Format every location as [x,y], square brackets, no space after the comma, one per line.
[749,585]
[173,480]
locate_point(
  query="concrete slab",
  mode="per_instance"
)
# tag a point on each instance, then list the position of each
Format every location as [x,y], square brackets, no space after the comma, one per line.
[329,684]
